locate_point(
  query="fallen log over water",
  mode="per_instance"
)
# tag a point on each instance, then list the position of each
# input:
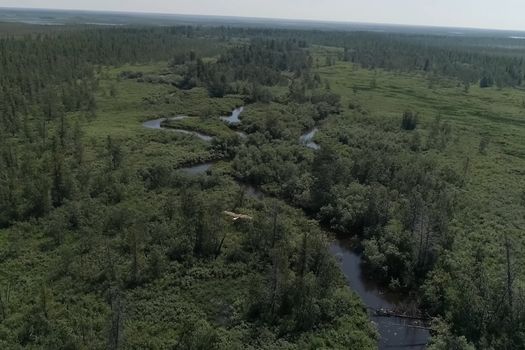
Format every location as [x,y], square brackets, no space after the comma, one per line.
[391,313]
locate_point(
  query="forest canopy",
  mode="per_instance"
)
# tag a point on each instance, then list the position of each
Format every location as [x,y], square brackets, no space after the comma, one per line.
[116,172]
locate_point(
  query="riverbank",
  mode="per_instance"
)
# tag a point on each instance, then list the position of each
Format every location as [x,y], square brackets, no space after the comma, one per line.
[396,331]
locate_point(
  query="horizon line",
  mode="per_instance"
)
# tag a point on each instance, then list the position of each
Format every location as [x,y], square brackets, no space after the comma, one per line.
[278,19]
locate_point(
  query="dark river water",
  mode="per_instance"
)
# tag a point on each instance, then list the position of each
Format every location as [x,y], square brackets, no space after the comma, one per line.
[157,124]
[396,333]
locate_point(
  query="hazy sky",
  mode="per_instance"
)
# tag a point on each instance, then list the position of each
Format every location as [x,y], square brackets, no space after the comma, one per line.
[501,14]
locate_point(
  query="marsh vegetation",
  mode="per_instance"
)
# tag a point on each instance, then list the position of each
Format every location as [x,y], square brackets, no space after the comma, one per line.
[113,235]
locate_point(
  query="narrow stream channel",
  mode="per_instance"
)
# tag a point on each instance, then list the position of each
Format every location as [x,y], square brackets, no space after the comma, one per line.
[157,125]
[395,332]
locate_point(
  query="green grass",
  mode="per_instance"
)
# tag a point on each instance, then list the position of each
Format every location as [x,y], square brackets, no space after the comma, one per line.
[490,204]
[121,115]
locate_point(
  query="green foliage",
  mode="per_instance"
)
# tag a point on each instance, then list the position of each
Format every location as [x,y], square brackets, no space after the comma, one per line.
[443,55]
[105,244]
[262,62]
[444,340]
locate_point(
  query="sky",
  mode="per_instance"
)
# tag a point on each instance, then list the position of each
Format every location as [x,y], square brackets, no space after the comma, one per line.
[493,14]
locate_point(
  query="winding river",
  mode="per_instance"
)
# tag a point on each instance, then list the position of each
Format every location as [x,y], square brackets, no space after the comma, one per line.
[395,332]
[158,124]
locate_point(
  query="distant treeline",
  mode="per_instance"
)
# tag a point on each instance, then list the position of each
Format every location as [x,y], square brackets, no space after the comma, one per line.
[45,73]
[474,61]
[490,60]
[63,56]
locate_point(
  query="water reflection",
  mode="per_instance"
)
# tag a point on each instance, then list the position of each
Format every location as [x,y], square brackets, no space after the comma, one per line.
[395,332]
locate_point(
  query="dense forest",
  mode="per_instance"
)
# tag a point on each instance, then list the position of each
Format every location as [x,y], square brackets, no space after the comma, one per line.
[107,240]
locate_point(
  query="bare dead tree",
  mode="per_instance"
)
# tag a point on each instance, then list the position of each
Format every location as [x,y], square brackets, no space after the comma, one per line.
[116,322]
[510,278]
[5,299]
